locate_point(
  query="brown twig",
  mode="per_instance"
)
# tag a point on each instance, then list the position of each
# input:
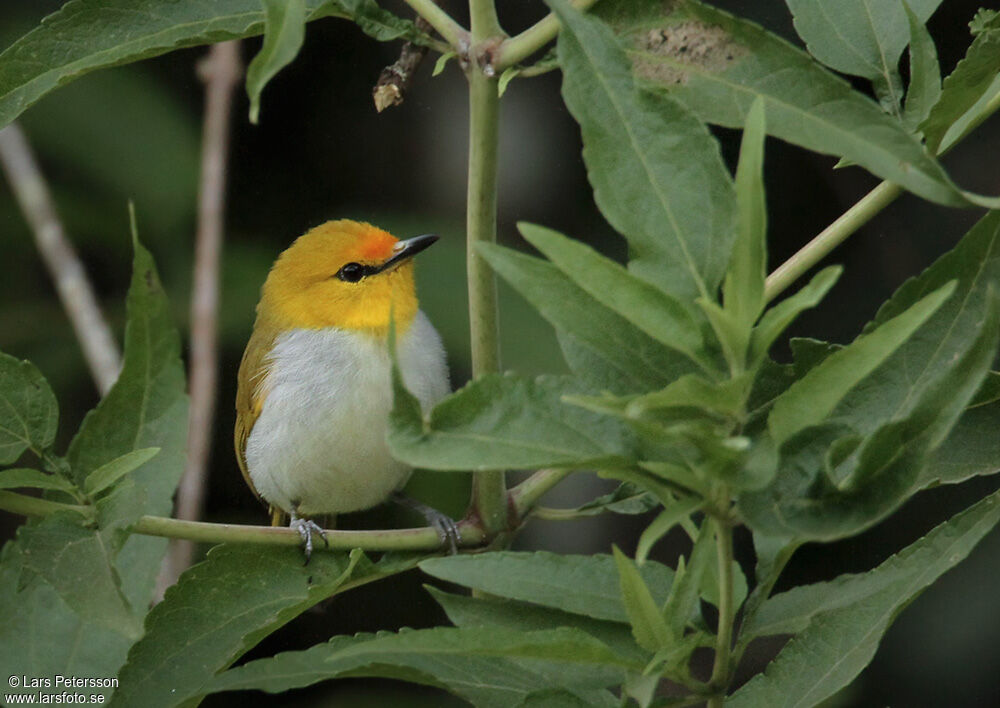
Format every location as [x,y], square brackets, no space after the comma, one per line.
[75,291]
[395,79]
[220,71]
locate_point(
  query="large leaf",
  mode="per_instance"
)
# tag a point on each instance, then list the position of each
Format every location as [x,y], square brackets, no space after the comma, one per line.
[811,399]
[972,448]
[504,421]
[860,37]
[925,74]
[79,564]
[92,34]
[40,635]
[657,174]
[972,78]
[223,606]
[611,342]
[28,410]
[842,622]
[716,65]
[146,408]
[468,661]
[585,585]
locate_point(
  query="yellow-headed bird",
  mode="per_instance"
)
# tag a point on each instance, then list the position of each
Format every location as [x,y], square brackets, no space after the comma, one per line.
[315,383]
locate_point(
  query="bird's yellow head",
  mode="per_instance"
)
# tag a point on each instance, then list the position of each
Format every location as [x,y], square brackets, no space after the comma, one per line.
[344,274]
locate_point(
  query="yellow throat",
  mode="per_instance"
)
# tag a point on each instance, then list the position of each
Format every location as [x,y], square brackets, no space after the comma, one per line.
[312,284]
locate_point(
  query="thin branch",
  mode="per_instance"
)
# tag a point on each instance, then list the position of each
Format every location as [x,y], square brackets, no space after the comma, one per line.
[395,79]
[452,32]
[526,494]
[220,71]
[418,539]
[523,45]
[75,291]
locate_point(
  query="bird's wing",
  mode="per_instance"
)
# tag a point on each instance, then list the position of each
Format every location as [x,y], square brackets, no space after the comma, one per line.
[250,394]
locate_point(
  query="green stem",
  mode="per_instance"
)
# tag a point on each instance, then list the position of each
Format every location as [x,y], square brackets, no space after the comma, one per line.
[489,488]
[724,637]
[523,45]
[524,496]
[441,21]
[854,218]
[33,506]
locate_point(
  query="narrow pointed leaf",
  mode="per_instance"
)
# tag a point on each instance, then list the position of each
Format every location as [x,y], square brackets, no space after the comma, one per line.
[657,174]
[684,594]
[23,477]
[972,77]
[610,341]
[657,313]
[284,32]
[585,585]
[109,473]
[744,287]
[648,626]
[925,74]
[777,319]
[809,400]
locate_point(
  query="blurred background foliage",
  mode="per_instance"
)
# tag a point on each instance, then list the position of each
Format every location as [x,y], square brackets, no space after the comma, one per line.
[321,152]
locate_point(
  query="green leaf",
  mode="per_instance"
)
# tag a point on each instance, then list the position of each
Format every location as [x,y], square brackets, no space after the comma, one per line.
[925,73]
[811,399]
[897,385]
[22,477]
[826,491]
[657,174]
[648,626]
[107,474]
[466,611]
[93,34]
[971,449]
[661,525]
[611,342]
[443,60]
[508,75]
[453,658]
[502,421]
[743,291]
[584,585]
[844,620]
[37,626]
[146,408]
[662,316]
[973,76]
[224,606]
[79,564]
[716,65]
[284,32]
[28,410]
[860,37]
[683,599]
[777,319]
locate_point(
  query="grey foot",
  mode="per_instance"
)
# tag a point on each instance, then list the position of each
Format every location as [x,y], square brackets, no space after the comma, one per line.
[307,528]
[445,526]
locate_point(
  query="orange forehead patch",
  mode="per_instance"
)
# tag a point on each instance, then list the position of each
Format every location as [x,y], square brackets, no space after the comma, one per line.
[376,245]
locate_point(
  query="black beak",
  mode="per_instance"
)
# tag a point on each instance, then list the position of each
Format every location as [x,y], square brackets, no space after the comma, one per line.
[404,250]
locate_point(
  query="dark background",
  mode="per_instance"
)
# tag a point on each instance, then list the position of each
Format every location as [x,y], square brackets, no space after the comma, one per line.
[322,152]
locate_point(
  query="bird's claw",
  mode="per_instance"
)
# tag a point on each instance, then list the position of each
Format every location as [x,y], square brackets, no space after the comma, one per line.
[306,528]
[447,529]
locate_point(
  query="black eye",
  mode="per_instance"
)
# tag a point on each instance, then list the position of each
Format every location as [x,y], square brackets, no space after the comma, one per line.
[351,273]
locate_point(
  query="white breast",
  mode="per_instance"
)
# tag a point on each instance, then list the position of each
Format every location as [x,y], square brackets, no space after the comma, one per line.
[319,443]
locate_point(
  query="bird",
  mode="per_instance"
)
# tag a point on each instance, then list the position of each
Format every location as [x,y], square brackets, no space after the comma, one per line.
[314,388]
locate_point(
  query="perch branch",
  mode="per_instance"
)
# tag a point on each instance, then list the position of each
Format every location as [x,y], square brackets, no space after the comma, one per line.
[68,274]
[441,21]
[523,45]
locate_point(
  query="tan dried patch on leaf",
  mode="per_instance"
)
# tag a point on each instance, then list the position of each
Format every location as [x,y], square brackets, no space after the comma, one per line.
[663,55]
